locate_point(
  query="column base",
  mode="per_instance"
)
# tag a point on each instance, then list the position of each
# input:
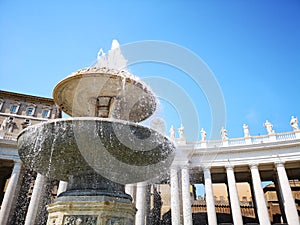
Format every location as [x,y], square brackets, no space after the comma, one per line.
[91,210]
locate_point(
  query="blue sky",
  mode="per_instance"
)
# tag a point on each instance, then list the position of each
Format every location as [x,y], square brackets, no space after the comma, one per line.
[252,48]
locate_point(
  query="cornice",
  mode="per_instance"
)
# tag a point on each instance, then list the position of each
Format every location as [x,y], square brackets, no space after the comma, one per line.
[24,97]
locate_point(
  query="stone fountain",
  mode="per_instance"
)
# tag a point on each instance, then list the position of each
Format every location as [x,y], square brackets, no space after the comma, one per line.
[101,147]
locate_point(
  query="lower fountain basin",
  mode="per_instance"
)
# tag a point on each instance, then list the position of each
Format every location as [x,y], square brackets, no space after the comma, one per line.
[121,151]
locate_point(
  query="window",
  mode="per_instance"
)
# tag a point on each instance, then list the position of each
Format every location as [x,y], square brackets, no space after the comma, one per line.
[244,198]
[30,111]
[1,103]
[14,108]
[45,113]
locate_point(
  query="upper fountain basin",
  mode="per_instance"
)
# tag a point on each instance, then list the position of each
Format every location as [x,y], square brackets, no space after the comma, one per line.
[106,93]
[122,151]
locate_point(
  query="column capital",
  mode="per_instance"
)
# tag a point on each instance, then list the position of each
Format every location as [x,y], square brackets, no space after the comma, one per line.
[206,168]
[18,161]
[186,165]
[142,184]
[253,165]
[279,163]
[229,167]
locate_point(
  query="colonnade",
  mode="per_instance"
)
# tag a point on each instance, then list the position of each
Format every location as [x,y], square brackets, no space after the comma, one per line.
[181,199]
[181,210]
[10,194]
[180,196]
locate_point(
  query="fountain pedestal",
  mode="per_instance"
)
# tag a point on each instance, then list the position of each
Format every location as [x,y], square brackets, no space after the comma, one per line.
[91,210]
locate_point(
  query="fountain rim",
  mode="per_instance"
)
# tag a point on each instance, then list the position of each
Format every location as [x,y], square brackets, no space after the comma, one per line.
[34,130]
[90,72]
[131,80]
[96,119]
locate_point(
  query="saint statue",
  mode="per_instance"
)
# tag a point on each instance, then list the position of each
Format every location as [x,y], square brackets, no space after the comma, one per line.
[203,134]
[223,133]
[172,132]
[181,131]
[294,123]
[246,130]
[269,127]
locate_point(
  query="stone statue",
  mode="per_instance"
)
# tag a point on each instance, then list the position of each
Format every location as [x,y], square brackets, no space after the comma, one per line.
[203,134]
[4,124]
[223,133]
[172,132]
[181,131]
[269,127]
[11,124]
[246,130]
[294,123]
[8,124]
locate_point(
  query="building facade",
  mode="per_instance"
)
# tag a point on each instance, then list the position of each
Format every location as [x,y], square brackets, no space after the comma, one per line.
[231,171]
[17,111]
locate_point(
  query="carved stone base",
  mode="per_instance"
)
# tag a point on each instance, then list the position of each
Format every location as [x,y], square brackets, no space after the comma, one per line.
[91,210]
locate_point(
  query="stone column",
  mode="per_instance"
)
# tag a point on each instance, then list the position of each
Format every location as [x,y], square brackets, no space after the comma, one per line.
[62,187]
[280,199]
[9,195]
[262,211]
[35,200]
[140,218]
[175,207]
[210,201]
[131,190]
[287,195]
[148,204]
[234,198]
[254,201]
[186,197]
